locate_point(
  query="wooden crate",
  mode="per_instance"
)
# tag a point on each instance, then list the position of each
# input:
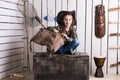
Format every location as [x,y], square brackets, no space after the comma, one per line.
[61,67]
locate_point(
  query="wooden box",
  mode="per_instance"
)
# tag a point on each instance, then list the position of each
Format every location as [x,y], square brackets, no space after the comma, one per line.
[61,67]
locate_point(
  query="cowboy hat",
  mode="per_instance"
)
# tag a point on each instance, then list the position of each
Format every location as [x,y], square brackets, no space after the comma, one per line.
[61,14]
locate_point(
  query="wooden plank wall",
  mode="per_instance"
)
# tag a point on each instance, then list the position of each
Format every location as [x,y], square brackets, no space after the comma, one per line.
[85,12]
[11,33]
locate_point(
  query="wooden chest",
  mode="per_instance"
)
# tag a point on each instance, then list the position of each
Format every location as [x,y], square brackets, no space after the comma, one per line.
[61,67]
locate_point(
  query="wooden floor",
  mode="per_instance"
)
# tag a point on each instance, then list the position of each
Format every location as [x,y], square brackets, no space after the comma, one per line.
[106,77]
[26,76]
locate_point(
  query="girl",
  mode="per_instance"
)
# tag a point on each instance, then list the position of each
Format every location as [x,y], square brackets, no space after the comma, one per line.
[66,21]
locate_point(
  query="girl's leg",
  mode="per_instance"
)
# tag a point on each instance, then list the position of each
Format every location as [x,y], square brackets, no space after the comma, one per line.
[73,45]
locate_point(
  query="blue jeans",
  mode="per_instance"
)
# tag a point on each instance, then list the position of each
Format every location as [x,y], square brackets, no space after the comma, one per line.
[73,45]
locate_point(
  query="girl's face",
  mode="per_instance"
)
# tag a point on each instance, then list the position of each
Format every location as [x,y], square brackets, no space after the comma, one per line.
[67,20]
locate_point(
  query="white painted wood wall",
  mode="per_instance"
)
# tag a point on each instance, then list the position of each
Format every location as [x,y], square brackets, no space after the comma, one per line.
[12,30]
[85,12]
[11,42]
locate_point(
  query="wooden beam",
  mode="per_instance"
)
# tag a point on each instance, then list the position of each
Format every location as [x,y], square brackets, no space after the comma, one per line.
[115,34]
[114,47]
[114,22]
[115,64]
[113,9]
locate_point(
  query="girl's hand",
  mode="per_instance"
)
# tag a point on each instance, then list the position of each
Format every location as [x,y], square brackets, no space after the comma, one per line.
[65,35]
[55,30]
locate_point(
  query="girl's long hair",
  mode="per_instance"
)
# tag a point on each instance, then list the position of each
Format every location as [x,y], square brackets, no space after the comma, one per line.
[73,32]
